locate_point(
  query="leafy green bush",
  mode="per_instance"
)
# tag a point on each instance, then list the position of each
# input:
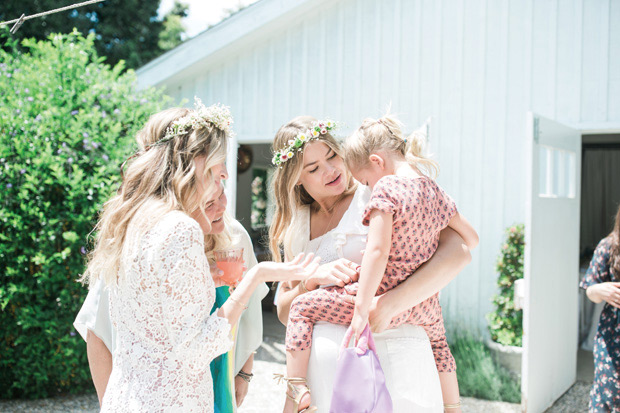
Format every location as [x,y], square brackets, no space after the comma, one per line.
[506,323]
[479,375]
[66,123]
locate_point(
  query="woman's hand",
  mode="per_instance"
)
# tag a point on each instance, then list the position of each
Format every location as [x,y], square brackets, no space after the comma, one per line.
[381,314]
[218,274]
[339,272]
[608,292]
[300,268]
[241,390]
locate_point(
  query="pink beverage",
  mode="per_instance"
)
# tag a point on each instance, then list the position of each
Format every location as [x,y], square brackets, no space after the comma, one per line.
[233,270]
[231,262]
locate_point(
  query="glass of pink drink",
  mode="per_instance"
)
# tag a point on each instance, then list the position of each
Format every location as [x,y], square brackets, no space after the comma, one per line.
[231,262]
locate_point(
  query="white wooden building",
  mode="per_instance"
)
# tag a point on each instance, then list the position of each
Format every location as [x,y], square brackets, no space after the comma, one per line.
[499,79]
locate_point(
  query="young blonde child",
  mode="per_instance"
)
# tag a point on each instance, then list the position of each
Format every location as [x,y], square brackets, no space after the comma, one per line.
[405,214]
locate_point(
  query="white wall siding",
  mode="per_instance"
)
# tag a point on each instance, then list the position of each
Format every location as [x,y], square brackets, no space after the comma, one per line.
[475,66]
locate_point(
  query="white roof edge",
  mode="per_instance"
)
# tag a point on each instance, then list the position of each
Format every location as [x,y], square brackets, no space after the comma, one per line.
[215,38]
[596,127]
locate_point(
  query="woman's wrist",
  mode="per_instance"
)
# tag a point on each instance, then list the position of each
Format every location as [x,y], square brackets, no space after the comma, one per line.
[245,375]
[593,293]
[257,274]
[388,303]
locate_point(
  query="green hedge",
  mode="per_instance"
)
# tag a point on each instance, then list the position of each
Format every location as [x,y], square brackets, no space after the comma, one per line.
[506,322]
[479,375]
[67,121]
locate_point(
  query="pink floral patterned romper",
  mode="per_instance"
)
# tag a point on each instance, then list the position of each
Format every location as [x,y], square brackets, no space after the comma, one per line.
[420,209]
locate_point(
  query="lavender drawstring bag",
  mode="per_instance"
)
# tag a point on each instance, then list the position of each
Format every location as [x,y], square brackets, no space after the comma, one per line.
[359,385]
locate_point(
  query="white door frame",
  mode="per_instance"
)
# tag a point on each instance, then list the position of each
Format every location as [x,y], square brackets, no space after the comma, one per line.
[550,317]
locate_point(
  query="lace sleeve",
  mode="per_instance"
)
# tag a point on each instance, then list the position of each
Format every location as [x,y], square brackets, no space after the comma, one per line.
[188,295]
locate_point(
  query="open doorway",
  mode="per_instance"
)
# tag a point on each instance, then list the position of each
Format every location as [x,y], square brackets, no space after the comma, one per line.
[600,197]
[255,204]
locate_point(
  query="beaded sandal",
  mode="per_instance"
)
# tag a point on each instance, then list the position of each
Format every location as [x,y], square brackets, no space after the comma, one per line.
[297,394]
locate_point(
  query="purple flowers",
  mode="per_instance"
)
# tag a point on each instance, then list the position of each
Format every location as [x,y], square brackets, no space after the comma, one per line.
[30,99]
[72,334]
[85,134]
[103,114]
[105,157]
[83,250]
[38,118]
[9,186]
[23,171]
[74,112]
[117,111]
[70,160]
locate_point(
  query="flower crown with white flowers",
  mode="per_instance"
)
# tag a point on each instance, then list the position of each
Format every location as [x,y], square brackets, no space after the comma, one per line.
[218,115]
[296,145]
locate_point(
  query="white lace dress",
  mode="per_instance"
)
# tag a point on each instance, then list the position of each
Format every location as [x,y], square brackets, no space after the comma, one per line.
[165,337]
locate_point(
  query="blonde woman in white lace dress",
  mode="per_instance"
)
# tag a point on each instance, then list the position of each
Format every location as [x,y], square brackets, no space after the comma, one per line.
[150,253]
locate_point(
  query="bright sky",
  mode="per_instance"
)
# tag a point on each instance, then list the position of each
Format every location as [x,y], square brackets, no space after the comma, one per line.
[204,13]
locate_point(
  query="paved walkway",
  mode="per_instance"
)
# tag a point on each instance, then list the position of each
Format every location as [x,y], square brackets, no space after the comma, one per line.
[265,396]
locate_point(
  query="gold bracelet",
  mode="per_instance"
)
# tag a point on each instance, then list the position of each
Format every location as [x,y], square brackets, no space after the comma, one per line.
[245,307]
[452,406]
[304,289]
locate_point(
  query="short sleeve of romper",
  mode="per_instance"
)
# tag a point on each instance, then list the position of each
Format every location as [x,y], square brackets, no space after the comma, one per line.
[393,194]
[446,205]
[385,198]
[598,272]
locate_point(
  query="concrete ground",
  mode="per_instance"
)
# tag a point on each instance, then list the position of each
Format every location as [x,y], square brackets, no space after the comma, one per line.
[266,396]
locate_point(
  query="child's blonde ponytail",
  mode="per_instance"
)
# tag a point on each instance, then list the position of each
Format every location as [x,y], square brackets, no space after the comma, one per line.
[416,156]
[386,134]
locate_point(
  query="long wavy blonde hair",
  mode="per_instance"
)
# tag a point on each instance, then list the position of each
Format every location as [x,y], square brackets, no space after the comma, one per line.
[386,134]
[289,196]
[162,178]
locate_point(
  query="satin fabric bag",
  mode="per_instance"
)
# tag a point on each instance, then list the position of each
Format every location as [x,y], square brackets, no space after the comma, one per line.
[359,385]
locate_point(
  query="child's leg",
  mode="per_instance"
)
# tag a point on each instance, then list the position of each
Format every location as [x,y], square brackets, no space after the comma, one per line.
[306,310]
[446,366]
[297,367]
[428,315]
[450,391]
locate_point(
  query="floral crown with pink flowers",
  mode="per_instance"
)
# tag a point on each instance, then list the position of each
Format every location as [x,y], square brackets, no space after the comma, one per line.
[217,115]
[296,145]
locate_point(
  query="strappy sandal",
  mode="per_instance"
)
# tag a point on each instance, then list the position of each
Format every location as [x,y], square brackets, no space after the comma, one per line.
[297,394]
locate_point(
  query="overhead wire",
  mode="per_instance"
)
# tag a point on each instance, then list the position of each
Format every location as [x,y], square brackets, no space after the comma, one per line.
[18,22]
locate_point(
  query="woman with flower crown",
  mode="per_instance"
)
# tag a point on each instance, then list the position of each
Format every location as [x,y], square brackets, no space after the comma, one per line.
[318,210]
[150,254]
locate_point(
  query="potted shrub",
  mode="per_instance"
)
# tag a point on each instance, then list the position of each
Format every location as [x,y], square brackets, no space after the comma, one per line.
[506,321]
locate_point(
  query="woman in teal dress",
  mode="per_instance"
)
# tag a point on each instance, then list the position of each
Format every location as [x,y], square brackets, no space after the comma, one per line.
[222,367]
[602,283]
